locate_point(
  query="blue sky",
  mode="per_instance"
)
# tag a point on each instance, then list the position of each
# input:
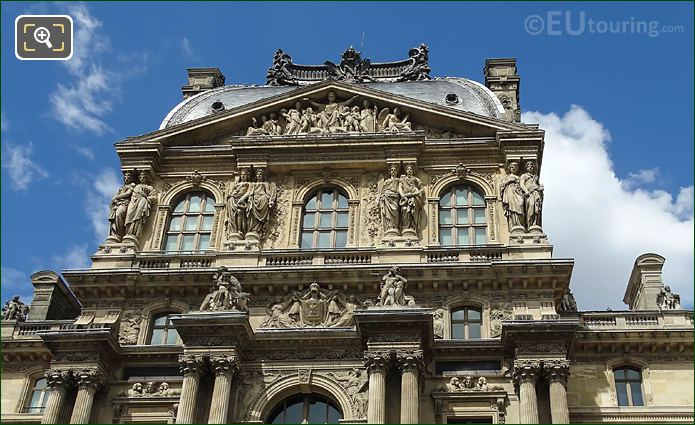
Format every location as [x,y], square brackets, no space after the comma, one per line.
[620,106]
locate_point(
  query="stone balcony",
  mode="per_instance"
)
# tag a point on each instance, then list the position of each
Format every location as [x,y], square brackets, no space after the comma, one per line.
[636,320]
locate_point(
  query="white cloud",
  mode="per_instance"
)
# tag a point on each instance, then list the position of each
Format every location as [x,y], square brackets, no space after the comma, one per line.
[15,282]
[76,257]
[85,152]
[4,123]
[642,177]
[593,216]
[16,160]
[99,197]
[187,48]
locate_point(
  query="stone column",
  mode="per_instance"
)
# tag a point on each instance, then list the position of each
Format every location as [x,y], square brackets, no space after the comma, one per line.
[409,363]
[88,381]
[557,372]
[191,369]
[525,376]
[225,367]
[376,364]
[58,381]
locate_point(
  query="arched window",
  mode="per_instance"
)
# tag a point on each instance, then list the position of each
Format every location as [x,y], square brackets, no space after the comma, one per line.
[628,386]
[190,225]
[462,217]
[36,403]
[325,220]
[466,323]
[305,409]
[163,331]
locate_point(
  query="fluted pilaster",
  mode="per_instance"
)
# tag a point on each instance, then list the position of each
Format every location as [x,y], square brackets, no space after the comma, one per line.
[525,376]
[225,367]
[88,381]
[557,372]
[376,364]
[58,381]
[409,363]
[191,369]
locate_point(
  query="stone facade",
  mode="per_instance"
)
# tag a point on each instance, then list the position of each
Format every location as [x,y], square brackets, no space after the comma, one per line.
[358,233]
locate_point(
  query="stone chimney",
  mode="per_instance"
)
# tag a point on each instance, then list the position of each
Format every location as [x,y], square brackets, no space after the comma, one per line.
[53,300]
[645,283]
[202,79]
[501,78]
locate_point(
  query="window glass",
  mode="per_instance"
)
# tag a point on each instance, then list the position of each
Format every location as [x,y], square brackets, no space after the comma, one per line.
[207,222]
[463,221]
[163,331]
[190,224]
[445,236]
[473,331]
[327,230]
[621,388]
[479,216]
[342,220]
[306,409]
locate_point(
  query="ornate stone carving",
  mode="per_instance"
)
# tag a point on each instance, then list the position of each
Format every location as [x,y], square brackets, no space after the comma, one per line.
[15,309]
[542,348]
[513,199]
[392,292]
[418,69]
[119,208]
[371,216]
[568,303]
[438,323]
[352,67]
[88,378]
[355,383]
[190,364]
[224,364]
[226,294]
[667,300]
[467,383]
[195,178]
[304,376]
[315,307]
[557,370]
[249,206]
[279,73]
[402,201]
[151,389]
[138,211]
[533,197]
[79,356]
[376,360]
[409,359]
[497,315]
[526,370]
[57,377]
[130,329]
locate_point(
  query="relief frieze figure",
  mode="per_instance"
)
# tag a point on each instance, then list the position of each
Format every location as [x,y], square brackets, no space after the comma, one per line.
[355,383]
[226,295]
[467,383]
[130,329]
[151,389]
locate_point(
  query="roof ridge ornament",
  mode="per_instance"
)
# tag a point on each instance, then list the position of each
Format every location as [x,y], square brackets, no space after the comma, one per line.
[352,68]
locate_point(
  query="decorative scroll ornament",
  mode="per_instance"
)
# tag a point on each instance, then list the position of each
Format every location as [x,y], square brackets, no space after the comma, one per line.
[467,383]
[315,307]
[226,295]
[151,389]
[667,300]
[15,309]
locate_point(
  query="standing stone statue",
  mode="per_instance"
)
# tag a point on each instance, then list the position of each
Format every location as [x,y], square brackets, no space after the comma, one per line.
[119,208]
[141,202]
[438,323]
[239,206]
[412,202]
[389,202]
[392,292]
[513,198]
[329,113]
[293,117]
[262,200]
[15,309]
[533,192]
[368,116]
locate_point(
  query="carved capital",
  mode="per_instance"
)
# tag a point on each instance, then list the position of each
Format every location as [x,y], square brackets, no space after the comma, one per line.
[88,378]
[409,360]
[57,378]
[376,361]
[224,364]
[557,370]
[190,364]
[526,370]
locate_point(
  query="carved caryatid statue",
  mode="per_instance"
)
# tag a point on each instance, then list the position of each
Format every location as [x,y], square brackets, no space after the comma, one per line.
[15,309]
[239,206]
[329,113]
[119,208]
[143,198]
[392,291]
[667,300]
[389,202]
[533,193]
[513,198]
[262,201]
[226,295]
[412,201]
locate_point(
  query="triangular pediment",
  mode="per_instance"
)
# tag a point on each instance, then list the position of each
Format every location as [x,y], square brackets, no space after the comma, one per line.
[332,107]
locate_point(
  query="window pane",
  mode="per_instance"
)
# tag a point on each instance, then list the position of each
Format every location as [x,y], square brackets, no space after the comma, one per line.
[446,200]
[445,236]
[157,337]
[621,389]
[480,236]
[445,217]
[209,205]
[311,204]
[175,223]
[458,315]
[40,383]
[325,220]
[204,241]
[171,243]
[327,200]
[340,239]
[172,337]
[636,392]
[294,413]
[308,222]
[307,239]
[190,223]
[207,222]
[161,320]
[324,239]
[333,415]
[317,412]
[36,401]
[187,244]
[194,204]
[478,199]
[462,216]
[473,331]
[633,375]
[342,201]
[342,220]
[462,235]
[457,331]
[461,196]
[473,314]
[619,374]
[179,207]
[479,215]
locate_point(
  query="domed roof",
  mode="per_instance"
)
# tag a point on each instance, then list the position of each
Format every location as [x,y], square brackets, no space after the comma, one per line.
[457,93]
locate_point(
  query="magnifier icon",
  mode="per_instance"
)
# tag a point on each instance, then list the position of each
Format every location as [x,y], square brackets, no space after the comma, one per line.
[43,36]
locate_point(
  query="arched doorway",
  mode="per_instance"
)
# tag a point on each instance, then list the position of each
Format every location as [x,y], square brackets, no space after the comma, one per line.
[305,409]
